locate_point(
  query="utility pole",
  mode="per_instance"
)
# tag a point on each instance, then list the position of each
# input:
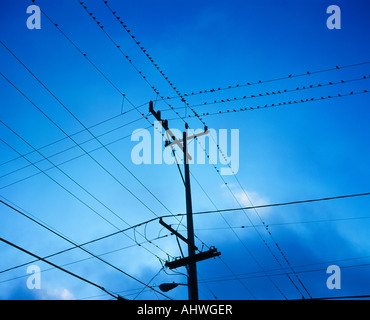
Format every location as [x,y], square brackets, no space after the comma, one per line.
[193,257]
[192,278]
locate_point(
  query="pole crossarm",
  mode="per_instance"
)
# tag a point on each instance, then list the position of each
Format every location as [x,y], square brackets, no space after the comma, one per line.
[176,233]
[191,260]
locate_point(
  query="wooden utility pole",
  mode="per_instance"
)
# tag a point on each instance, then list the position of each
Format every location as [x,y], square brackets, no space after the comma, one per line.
[193,257]
[192,278]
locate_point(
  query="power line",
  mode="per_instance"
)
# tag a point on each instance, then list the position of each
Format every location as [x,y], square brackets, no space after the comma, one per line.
[73,262]
[98,23]
[91,15]
[195,114]
[42,224]
[274,93]
[102,28]
[137,43]
[72,114]
[64,162]
[174,88]
[204,212]
[65,150]
[280,104]
[253,275]
[79,185]
[144,50]
[78,132]
[229,227]
[269,233]
[281,223]
[291,76]
[100,165]
[86,129]
[240,240]
[237,277]
[88,59]
[58,267]
[156,275]
[285,203]
[77,246]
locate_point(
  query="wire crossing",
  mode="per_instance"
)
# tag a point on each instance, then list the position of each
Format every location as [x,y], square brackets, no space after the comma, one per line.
[77,246]
[60,268]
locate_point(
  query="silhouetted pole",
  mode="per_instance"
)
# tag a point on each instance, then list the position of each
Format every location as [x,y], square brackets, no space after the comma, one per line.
[192,278]
[193,258]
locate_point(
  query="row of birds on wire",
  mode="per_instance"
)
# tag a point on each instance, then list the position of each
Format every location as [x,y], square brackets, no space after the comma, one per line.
[182,96]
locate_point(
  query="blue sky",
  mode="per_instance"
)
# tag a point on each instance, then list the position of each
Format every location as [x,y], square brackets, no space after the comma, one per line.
[290,152]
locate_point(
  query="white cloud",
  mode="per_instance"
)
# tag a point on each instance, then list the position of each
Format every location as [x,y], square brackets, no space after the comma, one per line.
[252,198]
[239,197]
[56,294]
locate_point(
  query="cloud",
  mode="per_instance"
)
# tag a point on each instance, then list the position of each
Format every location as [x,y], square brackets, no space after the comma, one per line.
[244,198]
[57,294]
[249,198]
[21,292]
